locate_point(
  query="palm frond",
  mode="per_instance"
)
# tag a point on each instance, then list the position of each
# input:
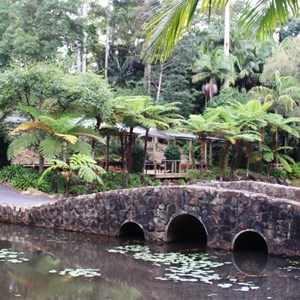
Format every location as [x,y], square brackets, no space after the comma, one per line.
[266,15]
[173,18]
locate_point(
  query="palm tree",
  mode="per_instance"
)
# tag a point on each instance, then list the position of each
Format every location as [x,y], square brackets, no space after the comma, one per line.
[212,66]
[174,17]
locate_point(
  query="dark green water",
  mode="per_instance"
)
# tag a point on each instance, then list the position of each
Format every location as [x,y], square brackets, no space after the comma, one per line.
[42,264]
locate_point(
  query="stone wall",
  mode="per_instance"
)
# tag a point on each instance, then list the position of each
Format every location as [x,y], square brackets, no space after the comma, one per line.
[224,210]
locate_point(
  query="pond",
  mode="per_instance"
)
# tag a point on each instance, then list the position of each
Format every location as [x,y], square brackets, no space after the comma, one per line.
[40,264]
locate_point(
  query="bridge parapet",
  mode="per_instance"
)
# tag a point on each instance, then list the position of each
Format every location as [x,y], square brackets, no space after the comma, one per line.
[269,189]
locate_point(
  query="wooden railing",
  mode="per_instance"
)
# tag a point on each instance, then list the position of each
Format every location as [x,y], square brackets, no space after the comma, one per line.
[168,168]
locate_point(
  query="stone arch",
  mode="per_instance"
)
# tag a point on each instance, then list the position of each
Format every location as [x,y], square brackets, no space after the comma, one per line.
[250,240]
[186,227]
[131,230]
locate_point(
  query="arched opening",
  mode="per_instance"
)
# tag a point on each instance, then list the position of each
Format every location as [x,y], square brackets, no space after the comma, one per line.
[250,252]
[131,231]
[250,240]
[186,228]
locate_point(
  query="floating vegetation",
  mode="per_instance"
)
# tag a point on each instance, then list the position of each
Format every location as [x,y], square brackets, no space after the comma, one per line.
[186,267]
[13,257]
[294,265]
[77,272]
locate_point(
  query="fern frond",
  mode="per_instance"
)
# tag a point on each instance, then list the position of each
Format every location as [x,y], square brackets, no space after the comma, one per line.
[20,143]
[57,164]
[50,148]
[81,147]
[35,112]
[72,139]
[34,125]
[87,174]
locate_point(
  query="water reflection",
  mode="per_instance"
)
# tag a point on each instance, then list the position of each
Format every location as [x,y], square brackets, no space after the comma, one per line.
[133,271]
[250,262]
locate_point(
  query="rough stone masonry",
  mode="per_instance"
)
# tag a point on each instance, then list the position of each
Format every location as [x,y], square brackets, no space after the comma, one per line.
[225,209]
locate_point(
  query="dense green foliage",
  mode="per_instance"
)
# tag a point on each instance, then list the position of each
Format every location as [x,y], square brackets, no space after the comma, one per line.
[248,100]
[137,154]
[34,30]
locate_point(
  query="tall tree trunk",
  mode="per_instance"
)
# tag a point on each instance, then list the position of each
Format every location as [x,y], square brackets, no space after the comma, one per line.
[260,148]
[275,146]
[97,128]
[81,53]
[202,152]
[227,28]
[160,81]
[107,40]
[107,152]
[147,77]
[122,150]
[129,158]
[41,164]
[227,34]
[223,161]
[233,160]
[249,150]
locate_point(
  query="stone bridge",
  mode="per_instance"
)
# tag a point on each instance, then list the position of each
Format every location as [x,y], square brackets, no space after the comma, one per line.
[220,215]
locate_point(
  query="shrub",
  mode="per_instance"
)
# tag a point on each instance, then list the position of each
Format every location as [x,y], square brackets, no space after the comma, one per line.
[137,156]
[203,175]
[172,152]
[10,172]
[279,173]
[30,179]
[295,174]
[111,181]
[134,181]
[22,178]
[78,190]
[148,181]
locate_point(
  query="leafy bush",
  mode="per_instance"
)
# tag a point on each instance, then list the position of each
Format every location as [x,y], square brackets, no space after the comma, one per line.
[203,175]
[137,156]
[181,181]
[295,174]
[22,178]
[135,181]
[279,173]
[148,181]
[30,179]
[10,172]
[111,181]
[172,152]
[78,190]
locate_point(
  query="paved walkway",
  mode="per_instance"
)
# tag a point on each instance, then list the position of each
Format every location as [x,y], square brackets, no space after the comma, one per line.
[12,198]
